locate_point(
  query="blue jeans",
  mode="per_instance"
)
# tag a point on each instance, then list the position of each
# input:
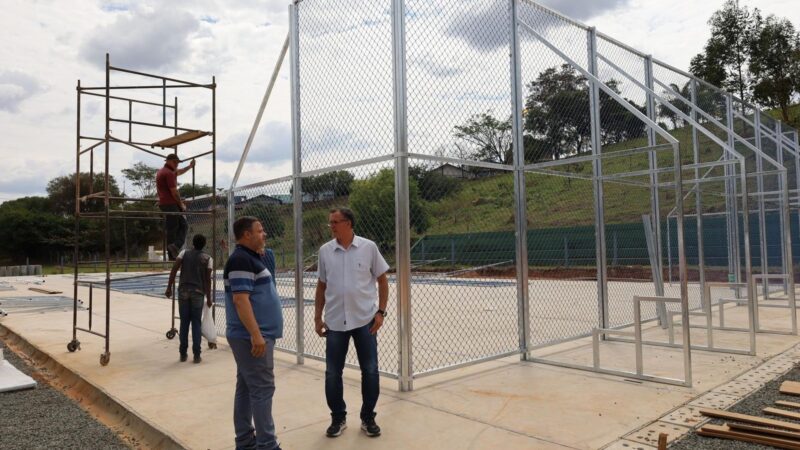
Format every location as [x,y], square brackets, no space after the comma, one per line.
[190,310]
[252,403]
[337,343]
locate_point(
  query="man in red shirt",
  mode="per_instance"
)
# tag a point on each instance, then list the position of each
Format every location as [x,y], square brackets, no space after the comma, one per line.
[169,200]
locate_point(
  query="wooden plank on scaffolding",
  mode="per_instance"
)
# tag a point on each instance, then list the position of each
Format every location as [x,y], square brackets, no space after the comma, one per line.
[179,139]
[787,404]
[724,432]
[782,413]
[764,430]
[755,420]
[43,291]
[790,388]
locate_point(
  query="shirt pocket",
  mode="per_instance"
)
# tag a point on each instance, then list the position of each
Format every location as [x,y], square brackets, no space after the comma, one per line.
[362,265]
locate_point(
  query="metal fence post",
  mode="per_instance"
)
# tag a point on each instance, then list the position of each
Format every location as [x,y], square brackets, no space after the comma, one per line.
[732,205]
[520,204]
[655,210]
[297,194]
[231,210]
[402,210]
[762,216]
[701,259]
[597,173]
[784,187]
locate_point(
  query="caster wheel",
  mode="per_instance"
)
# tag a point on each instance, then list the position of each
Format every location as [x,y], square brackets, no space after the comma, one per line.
[212,345]
[73,345]
[171,333]
[104,359]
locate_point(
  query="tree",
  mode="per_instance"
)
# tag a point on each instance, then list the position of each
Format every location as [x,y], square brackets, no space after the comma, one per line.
[433,185]
[557,111]
[775,63]
[61,192]
[337,183]
[373,202]
[187,190]
[726,55]
[269,216]
[557,115]
[488,138]
[680,105]
[143,178]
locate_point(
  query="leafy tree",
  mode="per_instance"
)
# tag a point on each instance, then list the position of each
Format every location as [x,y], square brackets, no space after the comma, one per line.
[337,183]
[727,53]
[61,192]
[488,138]
[269,216]
[372,200]
[775,63]
[557,115]
[680,105]
[187,190]
[433,185]
[143,178]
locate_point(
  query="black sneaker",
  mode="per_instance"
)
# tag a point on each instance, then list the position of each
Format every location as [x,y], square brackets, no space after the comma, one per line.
[336,428]
[197,359]
[371,428]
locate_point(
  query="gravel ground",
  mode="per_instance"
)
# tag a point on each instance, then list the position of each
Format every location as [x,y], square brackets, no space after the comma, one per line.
[44,418]
[752,405]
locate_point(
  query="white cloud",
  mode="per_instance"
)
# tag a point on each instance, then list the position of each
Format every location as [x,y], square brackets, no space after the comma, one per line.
[142,38]
[16,87]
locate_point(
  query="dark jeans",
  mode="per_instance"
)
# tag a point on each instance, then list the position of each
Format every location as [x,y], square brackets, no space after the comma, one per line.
[337,343]
[190,309]
[176,226]
[252,403]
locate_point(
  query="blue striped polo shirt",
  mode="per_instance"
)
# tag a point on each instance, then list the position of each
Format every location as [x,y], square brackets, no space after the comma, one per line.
[247,271]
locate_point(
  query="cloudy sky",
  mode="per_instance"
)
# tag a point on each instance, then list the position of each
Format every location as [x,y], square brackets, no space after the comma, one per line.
[50,44]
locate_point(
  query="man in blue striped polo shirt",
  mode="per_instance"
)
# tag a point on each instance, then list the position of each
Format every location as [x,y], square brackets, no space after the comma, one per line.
[254,322]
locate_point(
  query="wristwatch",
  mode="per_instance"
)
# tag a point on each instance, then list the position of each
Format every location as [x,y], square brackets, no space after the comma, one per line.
[381,312]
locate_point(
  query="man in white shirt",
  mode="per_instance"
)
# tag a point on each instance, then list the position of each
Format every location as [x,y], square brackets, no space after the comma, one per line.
[352,273]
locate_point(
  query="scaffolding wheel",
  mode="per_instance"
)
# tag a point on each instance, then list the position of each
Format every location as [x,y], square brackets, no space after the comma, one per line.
[105,358]
[73,345]
[212,345]
[171,333]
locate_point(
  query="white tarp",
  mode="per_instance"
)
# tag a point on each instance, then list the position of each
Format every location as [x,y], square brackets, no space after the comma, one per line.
[12,379]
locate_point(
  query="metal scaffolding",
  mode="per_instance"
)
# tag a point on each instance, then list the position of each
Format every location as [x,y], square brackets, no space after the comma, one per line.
[112,207]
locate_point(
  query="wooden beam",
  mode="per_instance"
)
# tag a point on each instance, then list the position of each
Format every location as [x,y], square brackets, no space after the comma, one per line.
[755,420]
[724,432]
[782,413]
[182,138]
[44,291]
[790,388]
[763,430]
[787,404]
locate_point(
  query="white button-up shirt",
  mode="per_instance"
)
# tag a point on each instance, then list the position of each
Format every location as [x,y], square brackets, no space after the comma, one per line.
[350,276]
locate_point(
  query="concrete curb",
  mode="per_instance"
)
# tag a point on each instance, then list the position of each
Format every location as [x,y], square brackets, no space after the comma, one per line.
[93,398]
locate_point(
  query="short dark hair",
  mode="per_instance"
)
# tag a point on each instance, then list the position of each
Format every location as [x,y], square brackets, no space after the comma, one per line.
[347,213]
[243,224]
[199,241]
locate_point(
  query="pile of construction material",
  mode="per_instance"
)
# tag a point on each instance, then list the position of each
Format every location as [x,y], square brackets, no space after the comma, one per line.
[760,430]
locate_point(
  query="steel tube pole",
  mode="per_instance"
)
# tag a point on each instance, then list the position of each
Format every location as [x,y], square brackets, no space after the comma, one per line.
[402,212]
[597,173]
[297,194]
[762,217]
[701,264]
[520,202]
[655,213]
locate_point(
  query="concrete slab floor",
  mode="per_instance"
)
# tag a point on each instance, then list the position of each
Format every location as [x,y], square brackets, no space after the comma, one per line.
[499,404]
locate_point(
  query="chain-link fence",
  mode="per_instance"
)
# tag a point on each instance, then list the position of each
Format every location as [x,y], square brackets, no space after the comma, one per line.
[520,173]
